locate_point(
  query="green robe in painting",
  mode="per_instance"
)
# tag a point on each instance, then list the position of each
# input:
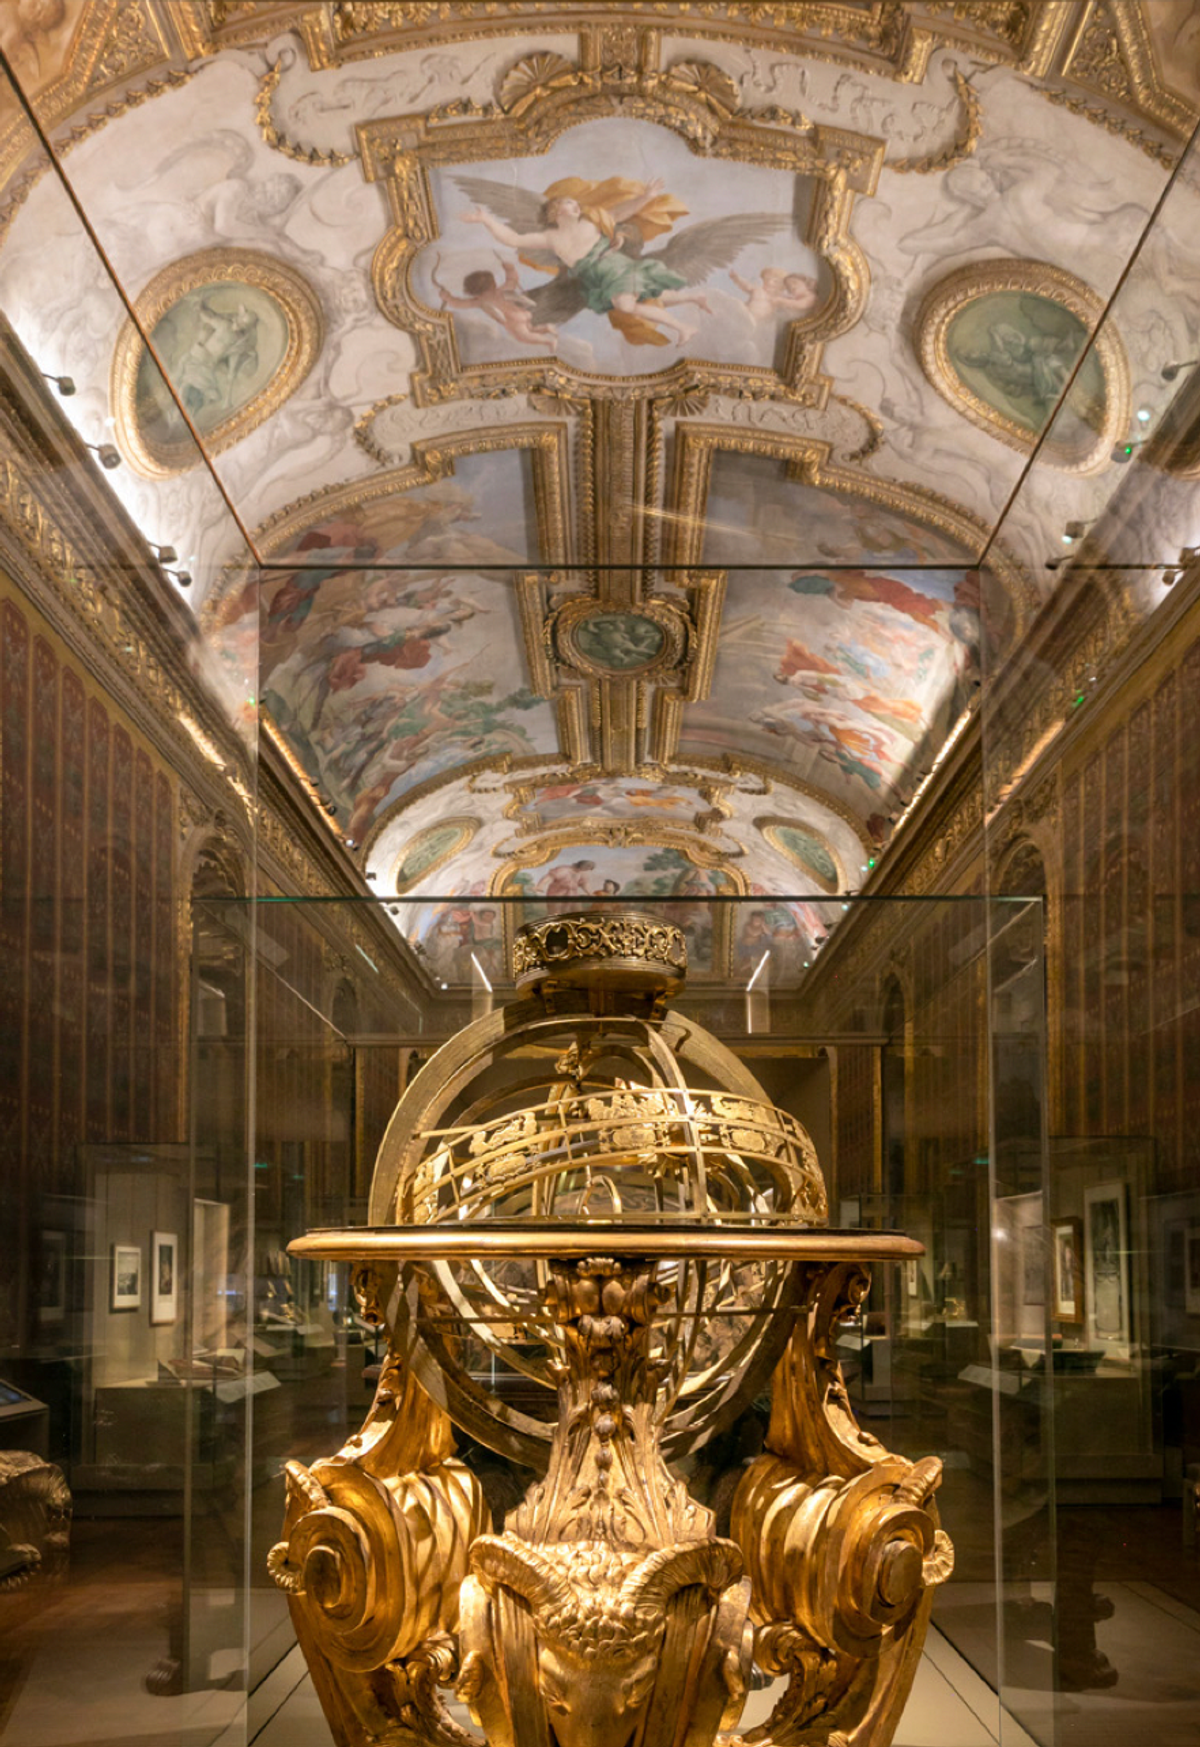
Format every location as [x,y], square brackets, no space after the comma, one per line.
[606,272]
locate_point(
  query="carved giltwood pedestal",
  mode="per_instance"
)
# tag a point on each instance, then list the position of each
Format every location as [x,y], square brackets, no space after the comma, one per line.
[554,1197]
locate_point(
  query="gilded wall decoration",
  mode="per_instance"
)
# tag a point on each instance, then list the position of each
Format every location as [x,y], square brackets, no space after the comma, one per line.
[619,637]
[1001,341]
[236,332]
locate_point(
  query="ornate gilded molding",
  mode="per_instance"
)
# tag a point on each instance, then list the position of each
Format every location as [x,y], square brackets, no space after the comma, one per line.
[960,148]
[541,99]
[615,639]
[279,142]
[1104,423]
[774,827]
[616,834]
[546,445]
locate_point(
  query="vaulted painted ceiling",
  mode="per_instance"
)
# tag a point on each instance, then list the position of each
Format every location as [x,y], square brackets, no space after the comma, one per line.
[612,443]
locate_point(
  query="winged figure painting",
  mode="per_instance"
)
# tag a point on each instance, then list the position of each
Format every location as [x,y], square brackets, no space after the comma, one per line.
[591,238]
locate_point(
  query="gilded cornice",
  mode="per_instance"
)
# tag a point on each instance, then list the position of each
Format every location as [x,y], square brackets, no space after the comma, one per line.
[1094,57]
[97,577]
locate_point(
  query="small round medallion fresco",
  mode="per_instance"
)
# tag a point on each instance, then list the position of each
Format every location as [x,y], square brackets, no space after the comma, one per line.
[236,333]
[620,642]
[1003,341]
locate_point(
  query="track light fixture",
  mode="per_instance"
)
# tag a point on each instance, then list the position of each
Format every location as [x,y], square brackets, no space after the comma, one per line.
[107,455]
[64,384]
[1171,371]
[166,554]
[182,577]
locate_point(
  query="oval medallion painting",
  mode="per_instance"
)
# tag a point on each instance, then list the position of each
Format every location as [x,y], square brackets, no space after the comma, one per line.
[1002,341]
[619,642]
[430,848]
[805,850]
[236,333]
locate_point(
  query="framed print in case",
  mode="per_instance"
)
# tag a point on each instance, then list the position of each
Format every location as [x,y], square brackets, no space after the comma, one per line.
[1191,1272]
[1066,1236]
[164,1276]
[1106,1274]
[126,1277]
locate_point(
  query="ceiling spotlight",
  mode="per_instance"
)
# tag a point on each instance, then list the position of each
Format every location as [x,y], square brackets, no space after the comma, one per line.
[106,454]
[1074,531]
[1125,451]
[1143,415]
[182,577]
[1171,371]
[64,384]
[166,554]
[1170,578]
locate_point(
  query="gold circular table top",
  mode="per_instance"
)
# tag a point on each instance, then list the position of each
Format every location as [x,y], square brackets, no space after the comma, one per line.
[554,1239]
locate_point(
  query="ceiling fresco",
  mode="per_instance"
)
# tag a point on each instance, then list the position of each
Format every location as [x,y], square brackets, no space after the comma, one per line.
[648,425]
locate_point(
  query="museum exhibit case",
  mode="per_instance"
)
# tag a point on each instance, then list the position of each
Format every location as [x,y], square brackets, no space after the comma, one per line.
[312,1351]
[472,463]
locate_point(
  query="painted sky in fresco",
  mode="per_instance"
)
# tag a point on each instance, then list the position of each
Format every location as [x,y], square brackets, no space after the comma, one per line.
[850,667]
[626,283]
[382,679]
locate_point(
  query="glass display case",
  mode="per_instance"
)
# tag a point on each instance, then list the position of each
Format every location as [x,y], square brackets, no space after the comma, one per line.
[912,1063]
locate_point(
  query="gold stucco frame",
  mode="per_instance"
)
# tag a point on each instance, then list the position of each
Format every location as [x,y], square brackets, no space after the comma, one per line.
[770,827]
[541,98]
[465,830]
[962,287]
[305,326]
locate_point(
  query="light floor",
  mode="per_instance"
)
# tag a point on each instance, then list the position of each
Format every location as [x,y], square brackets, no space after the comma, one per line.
[89,1692]
[949,1707]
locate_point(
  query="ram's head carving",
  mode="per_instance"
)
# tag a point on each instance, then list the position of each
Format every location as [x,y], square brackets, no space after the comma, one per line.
[599,1616]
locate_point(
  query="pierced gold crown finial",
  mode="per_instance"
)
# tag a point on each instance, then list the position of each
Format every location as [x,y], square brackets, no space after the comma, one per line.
[606,952]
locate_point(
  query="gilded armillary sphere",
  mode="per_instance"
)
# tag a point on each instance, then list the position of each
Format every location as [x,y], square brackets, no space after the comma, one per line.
[594,1242]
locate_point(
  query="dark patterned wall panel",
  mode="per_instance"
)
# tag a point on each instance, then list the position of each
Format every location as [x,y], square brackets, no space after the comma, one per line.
[1189,858]
[14,874]
[1164,926]
[1113,944]
[167,1054]
[72,979]
[1070,979]
[121,911]
[97,1038]
[43,864]
[143,947]
[1137,923]
[1090,1013]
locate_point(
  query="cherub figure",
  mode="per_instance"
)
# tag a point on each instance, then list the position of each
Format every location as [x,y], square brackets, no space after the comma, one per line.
[506,304]
[591,236]
[794,293]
